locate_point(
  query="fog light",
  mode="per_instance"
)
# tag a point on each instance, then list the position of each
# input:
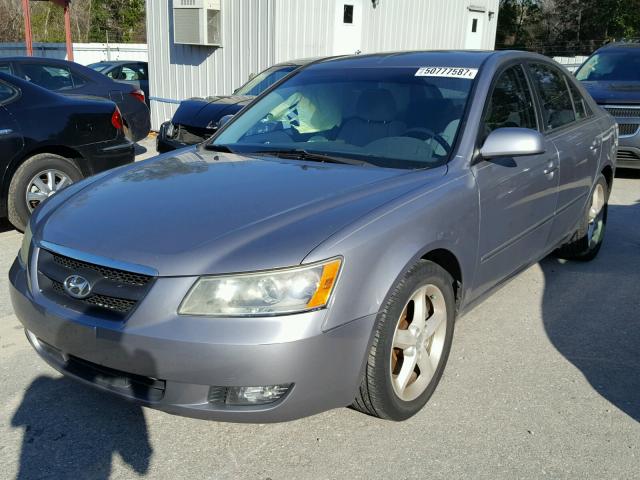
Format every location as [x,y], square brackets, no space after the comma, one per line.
[249,395]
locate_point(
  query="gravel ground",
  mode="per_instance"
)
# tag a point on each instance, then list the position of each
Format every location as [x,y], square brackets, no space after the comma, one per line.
[543,382]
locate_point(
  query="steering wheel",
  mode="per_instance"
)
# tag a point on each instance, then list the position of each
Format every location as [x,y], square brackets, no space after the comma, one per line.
[426,134]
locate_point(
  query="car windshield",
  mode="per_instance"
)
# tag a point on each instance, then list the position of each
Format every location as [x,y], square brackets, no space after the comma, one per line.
[389,117]
[264,80]
[98,67]
[615,65]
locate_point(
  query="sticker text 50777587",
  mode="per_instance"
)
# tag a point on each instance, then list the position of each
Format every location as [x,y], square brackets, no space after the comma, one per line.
[449,72]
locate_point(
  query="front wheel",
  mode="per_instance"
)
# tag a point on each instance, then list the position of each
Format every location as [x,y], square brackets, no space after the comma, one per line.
[586,241]
[38,178]
[411,344]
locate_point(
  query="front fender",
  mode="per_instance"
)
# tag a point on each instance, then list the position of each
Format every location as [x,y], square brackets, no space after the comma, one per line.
[381,246]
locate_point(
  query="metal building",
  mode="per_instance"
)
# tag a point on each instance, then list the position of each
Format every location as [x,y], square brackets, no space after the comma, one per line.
[210,47]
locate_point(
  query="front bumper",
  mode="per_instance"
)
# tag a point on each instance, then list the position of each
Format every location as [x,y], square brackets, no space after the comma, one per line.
[177,359]
[183,138]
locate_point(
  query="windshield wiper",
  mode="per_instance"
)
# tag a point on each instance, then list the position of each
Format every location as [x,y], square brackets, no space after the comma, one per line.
[218,148]
[301,154]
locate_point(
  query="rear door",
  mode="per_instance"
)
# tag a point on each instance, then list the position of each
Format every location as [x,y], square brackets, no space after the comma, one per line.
[11,141]
[518,195]
[574,130]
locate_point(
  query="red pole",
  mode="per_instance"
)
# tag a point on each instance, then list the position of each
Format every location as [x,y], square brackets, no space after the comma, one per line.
[67,31]
[26,11]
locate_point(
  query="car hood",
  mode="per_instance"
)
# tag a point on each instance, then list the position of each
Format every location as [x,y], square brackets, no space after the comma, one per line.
[202,212]
[614,92]
[199,112]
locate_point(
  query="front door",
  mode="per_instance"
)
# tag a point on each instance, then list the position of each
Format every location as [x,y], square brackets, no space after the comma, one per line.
[347,36]
[517,194]
[475,30]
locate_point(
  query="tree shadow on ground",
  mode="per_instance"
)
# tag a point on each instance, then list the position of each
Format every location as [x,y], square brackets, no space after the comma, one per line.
[591,311]
[73,431]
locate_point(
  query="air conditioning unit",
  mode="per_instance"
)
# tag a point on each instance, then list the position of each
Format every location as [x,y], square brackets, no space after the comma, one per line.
[197,22]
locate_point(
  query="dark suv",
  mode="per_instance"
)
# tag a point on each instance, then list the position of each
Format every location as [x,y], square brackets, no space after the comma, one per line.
[612,77]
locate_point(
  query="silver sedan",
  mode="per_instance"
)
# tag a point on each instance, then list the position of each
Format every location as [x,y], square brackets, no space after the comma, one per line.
[316,252]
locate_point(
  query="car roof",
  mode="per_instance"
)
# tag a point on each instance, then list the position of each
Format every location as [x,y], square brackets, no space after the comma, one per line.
[634,44]
[298,62]
[443,58]
[117,62]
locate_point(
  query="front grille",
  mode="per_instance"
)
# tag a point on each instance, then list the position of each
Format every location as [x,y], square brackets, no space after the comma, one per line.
[628,128]
[623,112]
[627,156]
[113,274]
[115,293]
[120,305]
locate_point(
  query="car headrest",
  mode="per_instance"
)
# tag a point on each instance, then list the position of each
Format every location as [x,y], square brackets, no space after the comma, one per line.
[376,105]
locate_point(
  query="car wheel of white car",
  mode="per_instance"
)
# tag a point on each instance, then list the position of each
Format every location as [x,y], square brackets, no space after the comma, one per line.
[411,343]
[587,240]
[38,178]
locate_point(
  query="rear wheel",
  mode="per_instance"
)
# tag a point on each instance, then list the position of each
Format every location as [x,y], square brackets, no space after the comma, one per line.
[587,240]
[38,178]
[411,344]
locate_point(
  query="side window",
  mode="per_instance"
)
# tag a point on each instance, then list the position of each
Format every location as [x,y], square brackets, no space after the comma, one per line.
[6,93]
[51,77]
[114,74]
[5,68]
[131,72]
[142,70]
[581,107]
[557,109]
[511,102]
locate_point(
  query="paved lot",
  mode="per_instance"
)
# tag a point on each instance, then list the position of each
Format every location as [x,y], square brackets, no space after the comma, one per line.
[543,382]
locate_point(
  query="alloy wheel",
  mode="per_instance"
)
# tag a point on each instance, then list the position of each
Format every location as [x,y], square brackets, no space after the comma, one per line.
[596,216]
[45,184]
[418,342]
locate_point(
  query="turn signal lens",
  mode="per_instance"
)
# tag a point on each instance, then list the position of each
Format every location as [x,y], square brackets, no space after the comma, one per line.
[325,286]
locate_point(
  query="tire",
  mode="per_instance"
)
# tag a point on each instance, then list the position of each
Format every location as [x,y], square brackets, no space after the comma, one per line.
[380,394]
[19,209]
[586,241]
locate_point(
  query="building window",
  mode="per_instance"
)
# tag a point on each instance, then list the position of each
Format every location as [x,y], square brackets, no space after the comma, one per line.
[347,15]
[474,25]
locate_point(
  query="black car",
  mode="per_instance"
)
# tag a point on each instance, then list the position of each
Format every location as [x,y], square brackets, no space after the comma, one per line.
[49,141]
[198,118]
[71,78]
[133,72]
[612,77]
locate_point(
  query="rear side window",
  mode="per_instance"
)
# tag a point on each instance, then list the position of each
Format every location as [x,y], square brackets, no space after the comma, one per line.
[5,68]
[580,104]
[51,77]
[511,102]
[557,109]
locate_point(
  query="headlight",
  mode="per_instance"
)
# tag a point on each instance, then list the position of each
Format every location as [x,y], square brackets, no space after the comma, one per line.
[290,290]
[26,243]
[170,130]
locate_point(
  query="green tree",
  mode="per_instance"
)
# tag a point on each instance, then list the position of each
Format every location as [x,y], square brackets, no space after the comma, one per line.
[121,20]
[514,21]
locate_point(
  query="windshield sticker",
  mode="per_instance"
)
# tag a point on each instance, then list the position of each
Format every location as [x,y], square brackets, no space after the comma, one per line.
[448,72]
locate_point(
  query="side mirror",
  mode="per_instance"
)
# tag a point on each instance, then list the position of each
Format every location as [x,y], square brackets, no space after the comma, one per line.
[224,120]
[512,142]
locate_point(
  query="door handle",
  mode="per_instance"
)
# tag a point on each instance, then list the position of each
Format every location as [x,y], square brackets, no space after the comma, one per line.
[550,169]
